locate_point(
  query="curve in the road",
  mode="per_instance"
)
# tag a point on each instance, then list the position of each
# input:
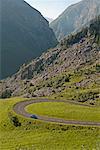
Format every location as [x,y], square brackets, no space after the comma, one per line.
[19,108]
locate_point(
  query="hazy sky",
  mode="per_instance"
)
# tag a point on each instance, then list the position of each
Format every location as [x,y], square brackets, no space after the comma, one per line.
[51,8]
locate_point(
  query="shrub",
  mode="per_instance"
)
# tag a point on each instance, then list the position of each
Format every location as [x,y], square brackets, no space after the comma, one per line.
[15,121]
[6,94]
[97,67]
[82,97]
[66,78]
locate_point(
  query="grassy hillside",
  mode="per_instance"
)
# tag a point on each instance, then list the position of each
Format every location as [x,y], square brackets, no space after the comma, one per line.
[37,135]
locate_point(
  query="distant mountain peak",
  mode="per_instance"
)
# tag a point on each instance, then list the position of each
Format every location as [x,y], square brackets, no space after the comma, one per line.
[75,17]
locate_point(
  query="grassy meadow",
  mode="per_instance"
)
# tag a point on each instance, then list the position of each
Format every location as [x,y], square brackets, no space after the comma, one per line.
[38,135]
[66,110]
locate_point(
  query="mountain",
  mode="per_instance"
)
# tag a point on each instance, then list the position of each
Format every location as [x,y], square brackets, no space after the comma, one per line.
[49,19]
[24,35]
[70,70]
[75,17]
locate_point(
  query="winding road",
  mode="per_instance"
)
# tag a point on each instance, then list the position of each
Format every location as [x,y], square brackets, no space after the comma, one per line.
[19,108]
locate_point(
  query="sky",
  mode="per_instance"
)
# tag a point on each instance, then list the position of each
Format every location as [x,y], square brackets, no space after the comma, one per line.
[51,8]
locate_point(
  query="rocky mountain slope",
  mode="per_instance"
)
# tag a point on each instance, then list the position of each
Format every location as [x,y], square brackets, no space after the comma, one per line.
[74,17]
[24,35]
[69,70]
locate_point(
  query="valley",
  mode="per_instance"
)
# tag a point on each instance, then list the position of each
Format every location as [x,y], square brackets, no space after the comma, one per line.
[50,90]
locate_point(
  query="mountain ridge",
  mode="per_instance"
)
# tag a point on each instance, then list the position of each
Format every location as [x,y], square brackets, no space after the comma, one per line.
[25,35]
[75,17]
[49,19]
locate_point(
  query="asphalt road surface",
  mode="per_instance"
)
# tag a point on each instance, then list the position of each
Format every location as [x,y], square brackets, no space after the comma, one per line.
[19,108]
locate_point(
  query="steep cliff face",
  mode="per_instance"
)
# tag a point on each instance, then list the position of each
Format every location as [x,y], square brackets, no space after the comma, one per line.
[74,17]
[24,35]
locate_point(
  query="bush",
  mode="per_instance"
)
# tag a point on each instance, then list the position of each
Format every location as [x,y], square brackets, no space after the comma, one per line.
[6,94]
[97,67]
[82,97]
[66,78]
[15,121]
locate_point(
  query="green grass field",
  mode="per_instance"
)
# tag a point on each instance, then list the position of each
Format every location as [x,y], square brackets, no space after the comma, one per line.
[38,135]
[66,111]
